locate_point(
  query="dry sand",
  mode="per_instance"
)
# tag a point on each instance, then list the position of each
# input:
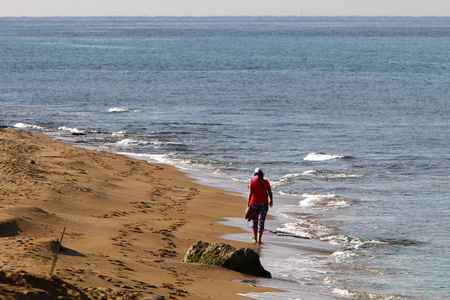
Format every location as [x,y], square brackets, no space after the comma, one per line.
[128,225]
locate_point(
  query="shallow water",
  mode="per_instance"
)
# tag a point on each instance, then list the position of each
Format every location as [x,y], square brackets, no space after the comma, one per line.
[348,116]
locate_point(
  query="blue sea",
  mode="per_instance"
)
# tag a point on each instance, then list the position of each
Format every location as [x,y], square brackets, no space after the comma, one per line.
[349,117]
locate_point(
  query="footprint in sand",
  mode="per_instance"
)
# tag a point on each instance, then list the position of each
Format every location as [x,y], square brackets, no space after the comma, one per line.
[116,262]
[113,214]
[164,232]
[134,227]
[104,277]
[170,245]
[167,253]
[141,205]
[174,291]
[143,285]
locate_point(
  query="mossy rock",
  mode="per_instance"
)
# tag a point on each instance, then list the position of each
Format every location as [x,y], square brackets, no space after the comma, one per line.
[244,260]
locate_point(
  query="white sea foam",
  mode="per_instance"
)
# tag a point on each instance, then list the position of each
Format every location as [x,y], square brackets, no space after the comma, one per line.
[343,255]
[130,142]
[315,156]
[158,158]
[118,133]
[324,200]
[343,293]
[343,175]
[162,158]
[337,240]
[365,244]
[119,110]
[292,175]
[71,130]
[284,180]
[351,244]
[146,156]
[27,126]
[309,172]
[288,194]
[329,174]
[294,229]
[307,228]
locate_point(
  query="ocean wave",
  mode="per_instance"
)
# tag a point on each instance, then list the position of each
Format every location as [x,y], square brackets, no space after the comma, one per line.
[119,110]
[191,123]
[130,142]
[343,255]
[352,247]
[324,201]
[161,158]
[344,293]
[288,234]
[356,246]
[290,194]
[352,244]
[317,156]
[286,179]
[287,176]
[27,126]
[307,229]
[313,174]
[72,130]
[118,133]
[329,174]
[179,163]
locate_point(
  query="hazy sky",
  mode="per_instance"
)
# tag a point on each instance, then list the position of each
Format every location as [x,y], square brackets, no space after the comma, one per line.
[224,7]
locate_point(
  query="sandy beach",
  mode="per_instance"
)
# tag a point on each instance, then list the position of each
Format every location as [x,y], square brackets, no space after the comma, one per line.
[128,225]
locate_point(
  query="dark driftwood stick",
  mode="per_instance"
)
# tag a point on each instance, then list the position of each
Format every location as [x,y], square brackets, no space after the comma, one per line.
[56,253]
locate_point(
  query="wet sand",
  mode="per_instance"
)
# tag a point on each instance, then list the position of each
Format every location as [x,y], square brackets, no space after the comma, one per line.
[128,224]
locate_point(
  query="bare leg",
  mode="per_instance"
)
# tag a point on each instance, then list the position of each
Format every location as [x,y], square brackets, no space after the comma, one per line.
[259,238]
[255,237]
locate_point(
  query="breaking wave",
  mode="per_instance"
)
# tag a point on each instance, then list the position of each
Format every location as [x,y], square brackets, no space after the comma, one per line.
[27,126]
[317,156]
[329,174]
[72,130]
[307,229]
[119,110]
[324,201]
[130,142]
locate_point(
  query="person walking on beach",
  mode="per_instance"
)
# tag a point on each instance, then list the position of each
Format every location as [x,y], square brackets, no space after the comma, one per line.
[259,199]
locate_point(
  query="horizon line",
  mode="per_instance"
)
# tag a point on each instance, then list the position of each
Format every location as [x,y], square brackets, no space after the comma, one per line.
[229,16]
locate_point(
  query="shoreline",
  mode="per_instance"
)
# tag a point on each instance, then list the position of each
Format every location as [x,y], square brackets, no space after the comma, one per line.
[129,222]
[278,248]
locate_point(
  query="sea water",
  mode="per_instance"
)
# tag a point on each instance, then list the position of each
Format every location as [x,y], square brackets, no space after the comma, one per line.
[349,117]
